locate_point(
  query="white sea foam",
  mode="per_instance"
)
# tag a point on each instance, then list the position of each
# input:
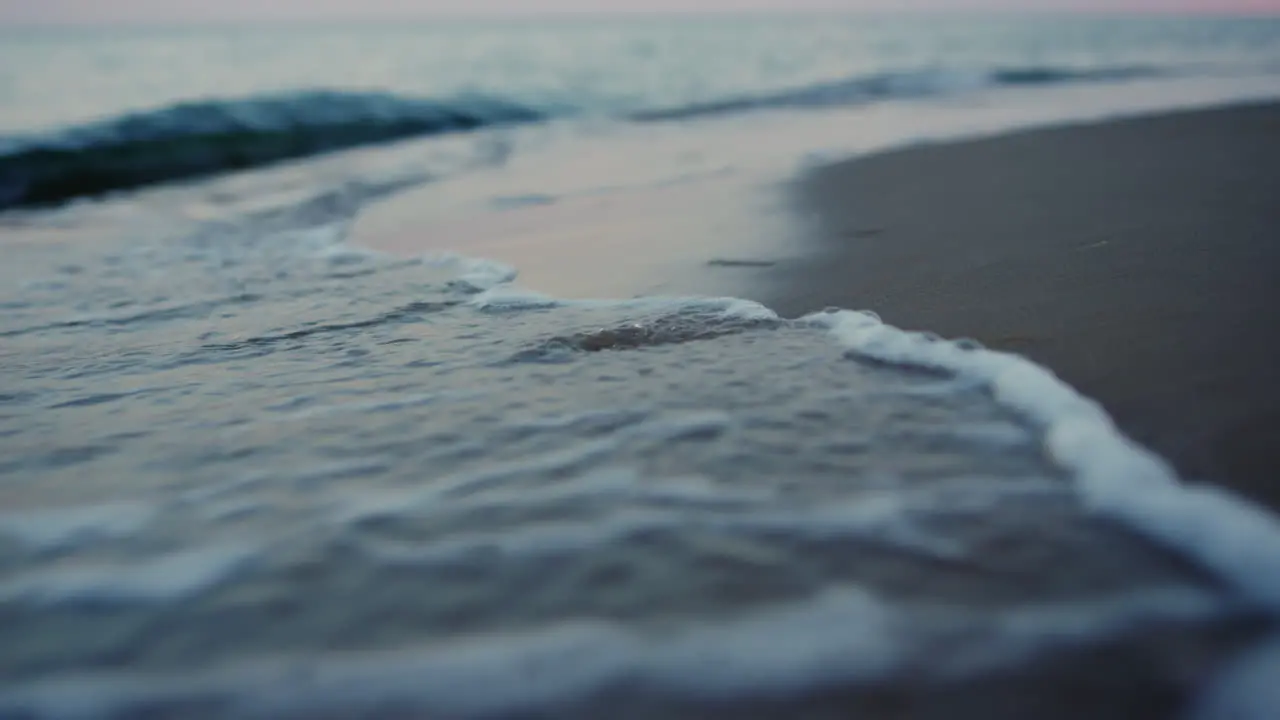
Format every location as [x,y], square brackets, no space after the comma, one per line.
[1116,477]
[844,636]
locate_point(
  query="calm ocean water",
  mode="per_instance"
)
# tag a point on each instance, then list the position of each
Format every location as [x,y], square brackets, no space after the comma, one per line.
[251,469]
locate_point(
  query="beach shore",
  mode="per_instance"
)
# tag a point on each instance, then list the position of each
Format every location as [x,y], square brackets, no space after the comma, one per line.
[1137,259]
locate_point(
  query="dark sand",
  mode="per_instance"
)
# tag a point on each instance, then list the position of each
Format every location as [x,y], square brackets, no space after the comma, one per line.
[1138,259]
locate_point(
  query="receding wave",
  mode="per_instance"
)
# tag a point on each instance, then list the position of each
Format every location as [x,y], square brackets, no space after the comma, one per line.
[895,85]
[201,138]
[194,139]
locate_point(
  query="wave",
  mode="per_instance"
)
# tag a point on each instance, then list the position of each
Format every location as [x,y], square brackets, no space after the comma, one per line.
[194,139]
[899,85]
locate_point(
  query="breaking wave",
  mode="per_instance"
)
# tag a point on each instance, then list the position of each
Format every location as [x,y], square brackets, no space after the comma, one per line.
[201,138]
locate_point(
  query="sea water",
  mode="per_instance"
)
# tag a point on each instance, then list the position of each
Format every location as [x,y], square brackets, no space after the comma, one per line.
[249,468]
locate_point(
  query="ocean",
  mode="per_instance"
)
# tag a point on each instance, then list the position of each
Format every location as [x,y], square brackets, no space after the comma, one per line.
[251,466]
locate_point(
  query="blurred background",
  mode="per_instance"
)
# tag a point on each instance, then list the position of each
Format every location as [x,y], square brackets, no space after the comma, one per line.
[98,97]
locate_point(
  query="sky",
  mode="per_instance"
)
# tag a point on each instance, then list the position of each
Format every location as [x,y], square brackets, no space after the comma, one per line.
[99,12]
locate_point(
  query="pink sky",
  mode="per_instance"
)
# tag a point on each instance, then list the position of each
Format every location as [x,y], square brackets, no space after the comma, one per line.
[21,12]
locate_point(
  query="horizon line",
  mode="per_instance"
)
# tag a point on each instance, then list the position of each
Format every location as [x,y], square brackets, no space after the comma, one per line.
[304,21]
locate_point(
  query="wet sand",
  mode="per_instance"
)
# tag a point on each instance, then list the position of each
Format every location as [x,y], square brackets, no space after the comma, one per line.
[1138,259]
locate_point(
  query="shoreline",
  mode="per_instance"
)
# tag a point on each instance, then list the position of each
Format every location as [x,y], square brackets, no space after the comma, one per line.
[1134,258]
[1089,247]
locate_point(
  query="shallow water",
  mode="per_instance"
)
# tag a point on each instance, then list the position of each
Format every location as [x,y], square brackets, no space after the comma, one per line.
[240,450]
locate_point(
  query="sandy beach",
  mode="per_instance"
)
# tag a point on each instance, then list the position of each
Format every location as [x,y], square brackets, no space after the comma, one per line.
[1137,259]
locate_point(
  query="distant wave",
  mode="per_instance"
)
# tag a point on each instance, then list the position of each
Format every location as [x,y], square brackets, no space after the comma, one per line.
[888,86]
[1051,75]
[200,138]
[194,139]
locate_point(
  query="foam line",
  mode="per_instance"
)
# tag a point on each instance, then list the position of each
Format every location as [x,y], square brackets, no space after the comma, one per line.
[1233,537]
